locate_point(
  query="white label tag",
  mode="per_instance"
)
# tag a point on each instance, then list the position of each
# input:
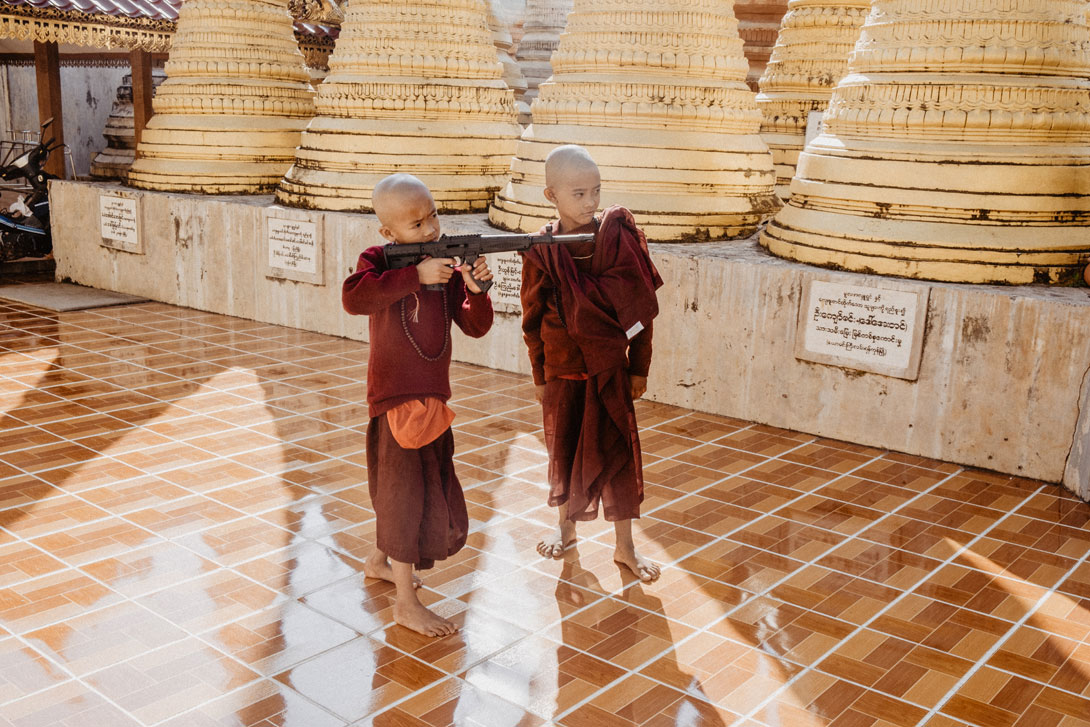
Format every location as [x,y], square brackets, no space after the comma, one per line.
[634,330]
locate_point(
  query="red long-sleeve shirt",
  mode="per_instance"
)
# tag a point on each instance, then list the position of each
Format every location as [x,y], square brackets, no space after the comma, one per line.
[409,359]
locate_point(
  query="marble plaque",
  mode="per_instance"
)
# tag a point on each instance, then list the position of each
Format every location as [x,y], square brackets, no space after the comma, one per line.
[119,222]
[879,330]
[295,248]
[506,270]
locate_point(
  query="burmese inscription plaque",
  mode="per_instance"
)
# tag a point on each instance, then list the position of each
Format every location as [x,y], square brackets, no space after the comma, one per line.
[295,250]
[873,329]
[506,270]
[119,222]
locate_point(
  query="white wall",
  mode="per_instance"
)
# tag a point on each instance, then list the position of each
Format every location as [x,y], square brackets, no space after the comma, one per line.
[87,93]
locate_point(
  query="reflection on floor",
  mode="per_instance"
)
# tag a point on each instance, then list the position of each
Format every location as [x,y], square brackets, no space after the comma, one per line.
[182,524]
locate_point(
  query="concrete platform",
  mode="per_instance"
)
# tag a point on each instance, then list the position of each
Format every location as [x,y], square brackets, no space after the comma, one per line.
[1003,376]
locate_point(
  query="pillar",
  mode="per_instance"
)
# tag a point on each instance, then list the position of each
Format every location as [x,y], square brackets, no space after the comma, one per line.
[659,98]
[957,148]
[810,57]
[47,73]
[236,99]
[759,25]
[413,86]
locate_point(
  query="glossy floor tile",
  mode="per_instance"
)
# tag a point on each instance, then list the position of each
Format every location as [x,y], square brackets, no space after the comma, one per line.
[184,517]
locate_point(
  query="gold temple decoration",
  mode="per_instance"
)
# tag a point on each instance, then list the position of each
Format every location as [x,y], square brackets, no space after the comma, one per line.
[236,99]
[810,57]
[114,161]
[659,99]
[316,49]
[50,25]
[759,26]
[544,22]
[957,148]
[401,97]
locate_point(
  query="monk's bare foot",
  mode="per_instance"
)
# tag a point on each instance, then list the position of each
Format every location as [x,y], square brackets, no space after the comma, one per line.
[413,615]
[554,544]
[644,569]
[375,567]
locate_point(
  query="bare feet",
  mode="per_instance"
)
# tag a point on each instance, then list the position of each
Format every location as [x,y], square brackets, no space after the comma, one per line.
[378,566]
[644,569]
[554,545]
[413,615]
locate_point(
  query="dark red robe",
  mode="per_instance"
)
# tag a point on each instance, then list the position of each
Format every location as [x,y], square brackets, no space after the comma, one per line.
[588,326]
[418,501]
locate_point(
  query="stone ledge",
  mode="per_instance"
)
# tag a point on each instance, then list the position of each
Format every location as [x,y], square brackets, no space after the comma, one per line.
[1003,381]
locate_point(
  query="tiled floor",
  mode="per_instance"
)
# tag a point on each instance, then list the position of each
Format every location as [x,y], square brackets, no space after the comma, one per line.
[182,523]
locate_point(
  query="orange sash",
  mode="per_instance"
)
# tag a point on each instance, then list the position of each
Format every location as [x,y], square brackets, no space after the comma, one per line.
[416,423]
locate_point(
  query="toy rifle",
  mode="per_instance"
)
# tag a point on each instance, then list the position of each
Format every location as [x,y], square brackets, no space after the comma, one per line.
[467,248]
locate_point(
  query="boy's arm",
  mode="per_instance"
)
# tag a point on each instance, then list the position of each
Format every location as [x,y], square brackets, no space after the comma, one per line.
[532,295]
[639,361]
[373,288]
[474,314]
[639,352]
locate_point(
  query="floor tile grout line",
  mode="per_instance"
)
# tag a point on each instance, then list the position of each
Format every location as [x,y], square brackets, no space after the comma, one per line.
[904,593]
[1015,627]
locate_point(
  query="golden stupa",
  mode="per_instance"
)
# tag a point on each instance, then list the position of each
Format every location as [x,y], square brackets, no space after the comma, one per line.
[401,97]
[236,98]
[957,148]
[659,98]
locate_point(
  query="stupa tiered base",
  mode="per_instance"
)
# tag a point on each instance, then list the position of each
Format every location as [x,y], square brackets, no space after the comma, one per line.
[957,148]
[659,191]
[986,225]
[220,155]
[341,160]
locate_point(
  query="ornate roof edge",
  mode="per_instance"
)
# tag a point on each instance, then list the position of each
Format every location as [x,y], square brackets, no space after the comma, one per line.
[25,22]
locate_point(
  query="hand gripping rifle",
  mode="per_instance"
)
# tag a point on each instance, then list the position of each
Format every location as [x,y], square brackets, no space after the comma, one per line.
[467,248]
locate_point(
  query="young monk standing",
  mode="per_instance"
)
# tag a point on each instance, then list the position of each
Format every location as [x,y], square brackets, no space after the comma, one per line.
[418,501]
[587,312]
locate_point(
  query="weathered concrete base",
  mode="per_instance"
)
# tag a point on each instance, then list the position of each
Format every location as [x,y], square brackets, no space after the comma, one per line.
[1004,379]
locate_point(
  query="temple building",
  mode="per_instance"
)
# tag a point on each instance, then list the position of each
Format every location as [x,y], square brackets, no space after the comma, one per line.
[545,21]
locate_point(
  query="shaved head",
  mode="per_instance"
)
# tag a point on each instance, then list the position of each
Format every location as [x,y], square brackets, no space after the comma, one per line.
[394,191]
[564,161]
[405,209]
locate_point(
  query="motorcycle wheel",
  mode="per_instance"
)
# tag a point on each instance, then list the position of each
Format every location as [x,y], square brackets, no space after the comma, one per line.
[15,245]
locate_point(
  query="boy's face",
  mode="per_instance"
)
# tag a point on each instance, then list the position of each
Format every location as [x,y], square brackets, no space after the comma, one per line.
[411,218]
[576,195]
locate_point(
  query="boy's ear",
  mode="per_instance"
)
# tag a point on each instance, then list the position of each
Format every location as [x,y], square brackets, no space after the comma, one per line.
[387,233]
[550,195]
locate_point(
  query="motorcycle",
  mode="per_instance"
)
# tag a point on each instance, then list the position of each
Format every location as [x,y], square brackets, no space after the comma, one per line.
[24,226]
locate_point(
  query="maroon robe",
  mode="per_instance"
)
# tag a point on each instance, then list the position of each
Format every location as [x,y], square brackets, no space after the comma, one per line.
[587,324]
